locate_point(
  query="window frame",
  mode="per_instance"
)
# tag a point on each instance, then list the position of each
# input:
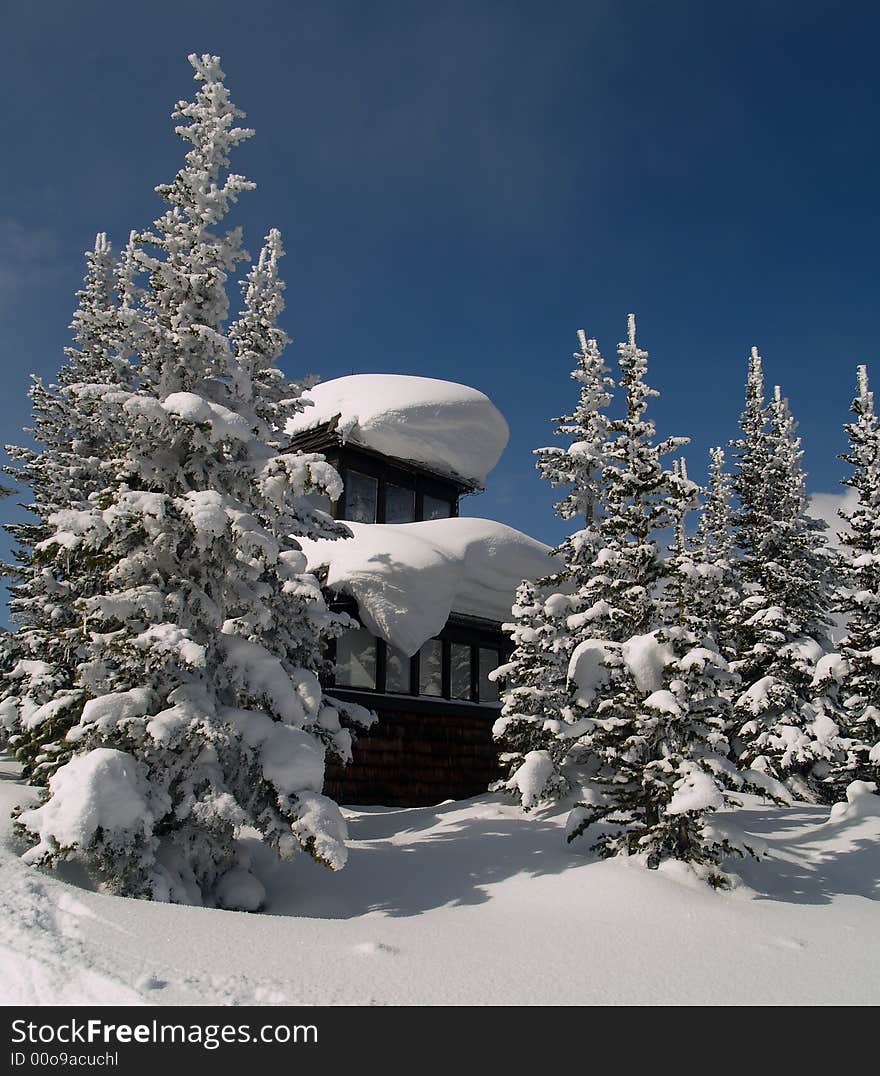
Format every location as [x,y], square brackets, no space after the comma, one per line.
[345,491]
[437,500]
[387,485]
[386,474]
[378,661]
[477,638]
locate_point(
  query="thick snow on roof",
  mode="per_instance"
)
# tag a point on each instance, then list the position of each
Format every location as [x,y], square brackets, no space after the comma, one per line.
[408,577]
[446,427]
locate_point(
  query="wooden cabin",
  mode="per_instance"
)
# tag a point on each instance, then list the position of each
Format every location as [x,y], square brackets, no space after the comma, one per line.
[436,707]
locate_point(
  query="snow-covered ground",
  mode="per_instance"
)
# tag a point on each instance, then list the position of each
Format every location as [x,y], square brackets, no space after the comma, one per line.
[469,903]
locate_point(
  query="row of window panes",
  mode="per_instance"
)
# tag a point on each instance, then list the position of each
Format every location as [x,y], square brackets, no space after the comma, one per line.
[362,497]
[356,666]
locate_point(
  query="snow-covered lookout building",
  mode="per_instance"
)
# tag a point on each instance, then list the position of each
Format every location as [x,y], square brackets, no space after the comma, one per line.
[429,589]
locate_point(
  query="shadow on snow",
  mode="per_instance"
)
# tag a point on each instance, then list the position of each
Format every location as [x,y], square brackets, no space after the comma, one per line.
[397,867]
[811,860]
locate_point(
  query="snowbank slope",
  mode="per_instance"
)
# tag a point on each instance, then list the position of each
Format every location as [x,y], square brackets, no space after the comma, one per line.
[469,903]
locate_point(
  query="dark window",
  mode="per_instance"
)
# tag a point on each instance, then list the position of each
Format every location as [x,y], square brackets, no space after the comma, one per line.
[436,507]
[400,504]
[397,671]
[454,668]
[487,689]
[460,670]
[431,668]
[356,659]
[361,494]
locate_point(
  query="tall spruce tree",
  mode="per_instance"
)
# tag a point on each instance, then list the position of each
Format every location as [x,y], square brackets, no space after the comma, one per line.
[787,723]
[860,571]
[202,653]
[70,462]
[655,691]
[710,584]
[535,733]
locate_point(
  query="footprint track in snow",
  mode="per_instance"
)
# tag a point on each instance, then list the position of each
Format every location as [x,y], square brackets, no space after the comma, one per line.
[370,948]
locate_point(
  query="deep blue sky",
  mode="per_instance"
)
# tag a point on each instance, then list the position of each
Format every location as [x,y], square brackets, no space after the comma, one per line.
[463,185]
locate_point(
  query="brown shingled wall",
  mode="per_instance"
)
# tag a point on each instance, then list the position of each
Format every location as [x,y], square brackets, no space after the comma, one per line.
[415,760]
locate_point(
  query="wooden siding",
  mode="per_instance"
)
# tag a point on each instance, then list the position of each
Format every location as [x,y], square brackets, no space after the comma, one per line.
[418,755]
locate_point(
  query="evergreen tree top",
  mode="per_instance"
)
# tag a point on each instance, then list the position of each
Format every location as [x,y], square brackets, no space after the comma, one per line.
[187,296]
[713,531]
[92,358]
[863,455]
[581,463]
[212,133]
[753,419]
[259,340]
[863,433]
[633,367]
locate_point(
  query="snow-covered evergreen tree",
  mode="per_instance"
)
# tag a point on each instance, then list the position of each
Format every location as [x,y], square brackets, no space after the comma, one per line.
[259,341]
[708,580]
[580,466]
[860,570]
[641,498]
[661,706]
[202,654]
[656,692]
[535,699]
[680,565]
[750,519]
[534,734]
[788,727]
[73,455]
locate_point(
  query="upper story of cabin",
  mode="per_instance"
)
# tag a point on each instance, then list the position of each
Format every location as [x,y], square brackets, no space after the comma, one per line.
[407,448]
[429,588]
[379,488]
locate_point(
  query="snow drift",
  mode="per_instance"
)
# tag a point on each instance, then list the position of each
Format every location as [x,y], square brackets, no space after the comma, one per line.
[448,905]
[441,425]
[408,577]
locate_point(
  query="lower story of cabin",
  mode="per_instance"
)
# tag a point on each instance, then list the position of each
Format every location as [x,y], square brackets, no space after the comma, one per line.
[433,738]
[419,753]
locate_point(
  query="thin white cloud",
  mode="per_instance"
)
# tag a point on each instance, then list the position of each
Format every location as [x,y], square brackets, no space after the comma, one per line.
[27,257]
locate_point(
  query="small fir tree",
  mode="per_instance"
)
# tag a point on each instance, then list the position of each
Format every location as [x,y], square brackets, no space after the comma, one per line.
[662,709]
[74,454]
[788,724]
[860,594]
[713,584]
[656,691]
[680,565]
[535,699]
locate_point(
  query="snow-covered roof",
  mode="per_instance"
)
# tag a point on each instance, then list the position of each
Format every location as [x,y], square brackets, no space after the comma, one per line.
[408,577]
[441,425]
